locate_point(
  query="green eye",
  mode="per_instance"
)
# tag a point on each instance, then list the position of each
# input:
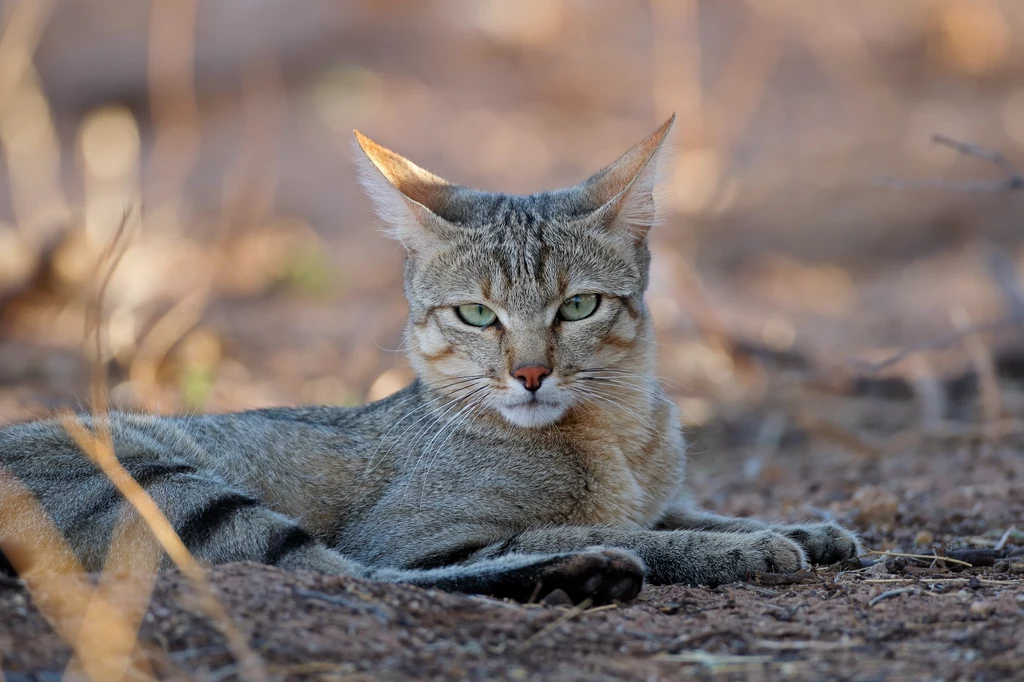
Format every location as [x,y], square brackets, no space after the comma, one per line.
[476,314]
[578,307]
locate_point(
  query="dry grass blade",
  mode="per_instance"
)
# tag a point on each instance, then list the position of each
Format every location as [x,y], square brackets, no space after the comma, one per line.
[21,35]
[101,635]
[555,624]
[98,445]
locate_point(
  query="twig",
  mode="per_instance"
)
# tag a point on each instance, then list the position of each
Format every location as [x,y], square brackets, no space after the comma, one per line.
[983,581]
[933,557]
[889,594]
[1013,181]
[555,624]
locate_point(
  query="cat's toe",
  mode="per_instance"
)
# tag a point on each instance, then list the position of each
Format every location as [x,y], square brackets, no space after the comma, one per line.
[826,543]
[777,553]
[600,575]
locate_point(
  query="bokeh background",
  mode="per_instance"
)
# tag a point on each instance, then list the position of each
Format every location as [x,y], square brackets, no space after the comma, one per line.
[803,231]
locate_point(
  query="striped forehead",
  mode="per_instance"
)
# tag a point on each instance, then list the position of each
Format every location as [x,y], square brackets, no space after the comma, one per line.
[519,253]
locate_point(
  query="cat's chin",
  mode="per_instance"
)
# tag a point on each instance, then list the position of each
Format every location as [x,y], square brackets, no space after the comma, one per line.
[532,415]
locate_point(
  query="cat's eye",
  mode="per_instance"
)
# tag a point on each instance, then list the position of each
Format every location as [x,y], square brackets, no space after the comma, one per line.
[578,307]
[476,314]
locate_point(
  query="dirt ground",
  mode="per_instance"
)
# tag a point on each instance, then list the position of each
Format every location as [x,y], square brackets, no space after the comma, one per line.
[837,303]
[895,619]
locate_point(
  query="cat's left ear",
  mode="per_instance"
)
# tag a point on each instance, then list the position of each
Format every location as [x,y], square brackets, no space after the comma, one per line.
[407,197]
[623,193]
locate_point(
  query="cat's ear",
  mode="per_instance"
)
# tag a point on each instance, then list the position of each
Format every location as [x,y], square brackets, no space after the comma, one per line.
[624,193]
[407,197]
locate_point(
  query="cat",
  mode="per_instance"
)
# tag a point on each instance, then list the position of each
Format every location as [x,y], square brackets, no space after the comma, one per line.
[534,451]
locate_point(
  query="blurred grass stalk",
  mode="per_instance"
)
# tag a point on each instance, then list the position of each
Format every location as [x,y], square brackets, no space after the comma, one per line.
[102,635]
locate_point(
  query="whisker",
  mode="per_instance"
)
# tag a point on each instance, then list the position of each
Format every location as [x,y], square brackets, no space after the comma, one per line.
[447,384]
[456,425]
[411,448]
[628,408]
[425,405]
[423,451]
[614,371]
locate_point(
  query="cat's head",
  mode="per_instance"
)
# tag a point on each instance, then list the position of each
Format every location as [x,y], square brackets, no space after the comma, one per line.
[527,306]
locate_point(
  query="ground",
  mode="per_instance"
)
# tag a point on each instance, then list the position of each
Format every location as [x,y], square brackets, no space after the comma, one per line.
[895,618]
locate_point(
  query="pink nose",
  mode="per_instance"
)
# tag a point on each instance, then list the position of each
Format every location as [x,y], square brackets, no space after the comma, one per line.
[532,376]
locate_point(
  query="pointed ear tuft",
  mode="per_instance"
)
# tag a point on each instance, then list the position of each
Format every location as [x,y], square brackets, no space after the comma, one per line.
[625,192]
[405,196]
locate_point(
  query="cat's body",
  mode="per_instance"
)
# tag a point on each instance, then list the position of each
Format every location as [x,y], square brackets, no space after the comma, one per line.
[535,451]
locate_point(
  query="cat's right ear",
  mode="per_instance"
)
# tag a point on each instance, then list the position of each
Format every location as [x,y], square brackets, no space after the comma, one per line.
[407,197]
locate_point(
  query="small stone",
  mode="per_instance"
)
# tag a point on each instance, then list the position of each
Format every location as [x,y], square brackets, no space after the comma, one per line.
[924,539]
[982,608]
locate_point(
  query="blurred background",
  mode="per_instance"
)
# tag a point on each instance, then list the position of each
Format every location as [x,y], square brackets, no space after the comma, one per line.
[805,233]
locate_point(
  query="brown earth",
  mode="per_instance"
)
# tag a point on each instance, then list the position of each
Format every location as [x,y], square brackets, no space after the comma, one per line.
[900,618]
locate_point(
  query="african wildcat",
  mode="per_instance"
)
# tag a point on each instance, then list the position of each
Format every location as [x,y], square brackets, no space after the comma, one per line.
[534,451]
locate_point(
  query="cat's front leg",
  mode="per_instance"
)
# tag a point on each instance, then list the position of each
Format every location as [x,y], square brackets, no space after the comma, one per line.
[598,574]
[683,556]
[825,543]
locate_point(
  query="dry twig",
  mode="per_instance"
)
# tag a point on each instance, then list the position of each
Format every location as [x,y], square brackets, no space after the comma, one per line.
[932,557]
[555,624]
[1012,182]
[97,444]
[889,594]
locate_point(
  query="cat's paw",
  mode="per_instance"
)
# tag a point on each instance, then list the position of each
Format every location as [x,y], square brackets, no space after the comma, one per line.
[601,574]
[740,556]
[826,543]
[774,553]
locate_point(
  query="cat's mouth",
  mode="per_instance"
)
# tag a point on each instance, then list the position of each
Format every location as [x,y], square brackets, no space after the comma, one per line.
[533,412]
